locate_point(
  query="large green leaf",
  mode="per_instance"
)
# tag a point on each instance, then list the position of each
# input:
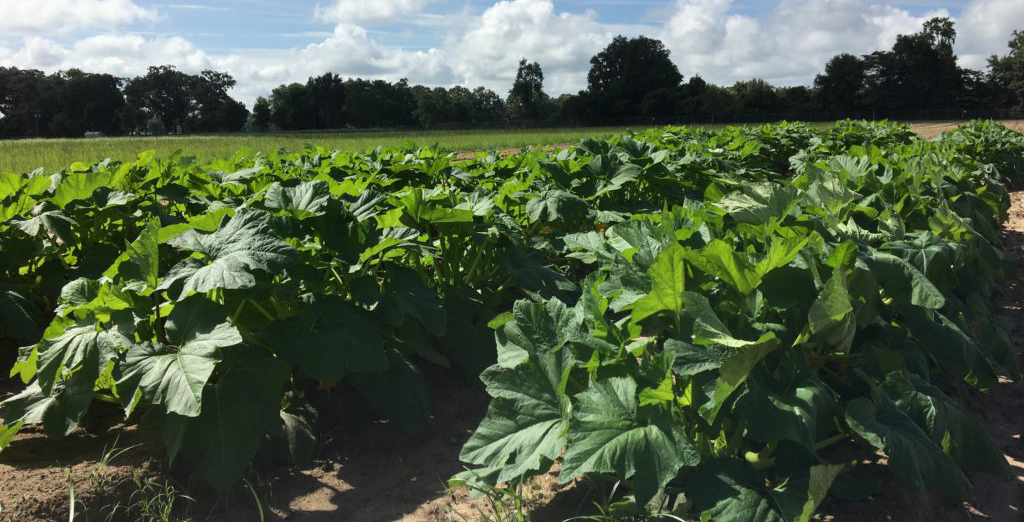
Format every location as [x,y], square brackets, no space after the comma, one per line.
[532,273]
[992,333]
[526,422]
[831,317]
[199,322]
[589,247]
[715,348]
[760,203]
[556,205]
[829,193]
[169,378]
[421,213]
[903,282]
[336,339]
[416,299]
[729,490]
[173,377]
[935,257]
[786,404]
[233,252]
[59,411]
[80,185]
[667,285]
[913,456]
[12,183]
[537,328]
[737,367]
[951,347]
[720,260]
[141,259]
[81,345]
[610,433]
[53,223]
[237,411]
[301,201]
[949,426]
[639,241]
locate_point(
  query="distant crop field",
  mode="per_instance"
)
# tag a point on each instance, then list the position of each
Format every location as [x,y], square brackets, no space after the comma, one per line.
[55,154]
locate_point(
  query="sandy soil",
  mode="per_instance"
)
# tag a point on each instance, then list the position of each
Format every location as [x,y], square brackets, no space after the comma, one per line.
[379,473]
[931,130]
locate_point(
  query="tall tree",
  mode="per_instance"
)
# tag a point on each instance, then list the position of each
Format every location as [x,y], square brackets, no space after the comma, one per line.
[165,92]
[327,99]
[920,72]
[89,102]
[22,101]
[378,103]
[526,100]
[291,107]
[435,106]
[213,110]
[185,102]
[261,114]
[487,107]
[756,96]
[628,70]
[1007,73]
[840,86]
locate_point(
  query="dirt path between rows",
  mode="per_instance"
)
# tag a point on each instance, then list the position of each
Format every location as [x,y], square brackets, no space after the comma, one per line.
[929,130]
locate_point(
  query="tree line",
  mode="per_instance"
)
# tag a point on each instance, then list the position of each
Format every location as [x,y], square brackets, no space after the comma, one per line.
[73,102]
[632,78]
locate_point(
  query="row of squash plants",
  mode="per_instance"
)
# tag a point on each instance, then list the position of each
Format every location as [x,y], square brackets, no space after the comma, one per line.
[700,315]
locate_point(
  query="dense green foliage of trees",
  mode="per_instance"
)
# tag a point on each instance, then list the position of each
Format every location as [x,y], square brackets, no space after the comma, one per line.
[631,79]
[918,78]
[72,103]
[1007,73]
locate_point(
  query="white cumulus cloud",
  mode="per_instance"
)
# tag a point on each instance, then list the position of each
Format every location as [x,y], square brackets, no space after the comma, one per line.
[985,28]
[563,43]
[787,45]
[367,11]
[44,17]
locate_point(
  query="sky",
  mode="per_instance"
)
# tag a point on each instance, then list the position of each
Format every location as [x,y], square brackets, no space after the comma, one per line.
[265,43]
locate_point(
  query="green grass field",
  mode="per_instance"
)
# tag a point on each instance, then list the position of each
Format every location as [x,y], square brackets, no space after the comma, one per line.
[56,154]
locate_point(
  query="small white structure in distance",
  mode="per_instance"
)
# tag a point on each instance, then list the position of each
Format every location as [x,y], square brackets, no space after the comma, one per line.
[92,134]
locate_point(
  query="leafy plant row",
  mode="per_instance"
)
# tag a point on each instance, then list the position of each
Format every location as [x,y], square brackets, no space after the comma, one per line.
[722,346]
[699,314]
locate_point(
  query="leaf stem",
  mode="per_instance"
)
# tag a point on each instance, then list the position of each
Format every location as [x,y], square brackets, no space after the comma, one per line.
[262,310]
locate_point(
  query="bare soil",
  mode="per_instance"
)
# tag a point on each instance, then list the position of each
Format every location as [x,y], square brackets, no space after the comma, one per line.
[931,130]
[380,473]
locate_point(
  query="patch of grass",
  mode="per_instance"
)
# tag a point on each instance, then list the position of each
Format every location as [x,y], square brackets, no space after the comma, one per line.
[55,154]
[151,500]
[503,504]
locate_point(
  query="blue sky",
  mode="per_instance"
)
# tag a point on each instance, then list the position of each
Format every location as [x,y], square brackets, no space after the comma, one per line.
[228,25]
[264,43]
